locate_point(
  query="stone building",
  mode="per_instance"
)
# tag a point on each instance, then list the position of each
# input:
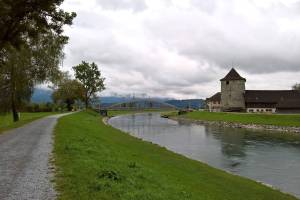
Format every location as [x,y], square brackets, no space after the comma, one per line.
[214,103]
[235,98]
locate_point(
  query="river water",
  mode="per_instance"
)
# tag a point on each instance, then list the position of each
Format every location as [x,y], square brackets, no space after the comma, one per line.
[263,156]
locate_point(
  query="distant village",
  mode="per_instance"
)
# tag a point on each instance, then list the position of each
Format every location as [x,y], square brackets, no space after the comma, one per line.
[235,98]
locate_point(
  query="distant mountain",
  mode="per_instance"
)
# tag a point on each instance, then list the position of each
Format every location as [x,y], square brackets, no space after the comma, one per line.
[113,100]
[41,95]
[187,103]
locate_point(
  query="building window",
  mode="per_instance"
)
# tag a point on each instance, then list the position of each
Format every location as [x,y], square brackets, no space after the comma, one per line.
[227,82]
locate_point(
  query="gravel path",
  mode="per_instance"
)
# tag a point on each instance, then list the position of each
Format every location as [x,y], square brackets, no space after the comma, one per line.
[25,172]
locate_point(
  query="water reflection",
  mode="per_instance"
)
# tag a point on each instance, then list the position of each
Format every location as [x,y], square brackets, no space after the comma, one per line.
[263,156]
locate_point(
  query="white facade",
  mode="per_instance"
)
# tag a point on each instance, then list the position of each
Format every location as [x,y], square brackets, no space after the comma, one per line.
[214,106]
[261,110]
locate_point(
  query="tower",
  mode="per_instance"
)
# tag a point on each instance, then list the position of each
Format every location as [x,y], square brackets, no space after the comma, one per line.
[233,92]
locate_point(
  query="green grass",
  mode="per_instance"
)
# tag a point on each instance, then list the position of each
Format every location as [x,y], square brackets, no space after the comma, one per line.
[95,161]
[246,118]
[6,121]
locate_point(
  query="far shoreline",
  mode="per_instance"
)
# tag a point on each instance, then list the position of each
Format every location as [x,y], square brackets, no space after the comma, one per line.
[232,124]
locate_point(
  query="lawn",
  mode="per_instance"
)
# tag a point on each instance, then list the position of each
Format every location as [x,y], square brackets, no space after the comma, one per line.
[6,121]
[95,161]
[247,118]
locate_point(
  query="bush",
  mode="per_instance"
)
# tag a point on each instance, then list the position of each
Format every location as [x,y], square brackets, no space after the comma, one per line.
[42,107]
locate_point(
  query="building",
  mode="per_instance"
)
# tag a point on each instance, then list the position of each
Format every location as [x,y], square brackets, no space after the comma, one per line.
[214,103]
[235,98]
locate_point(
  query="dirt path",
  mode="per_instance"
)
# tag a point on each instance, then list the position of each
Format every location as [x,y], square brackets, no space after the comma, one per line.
[25,172]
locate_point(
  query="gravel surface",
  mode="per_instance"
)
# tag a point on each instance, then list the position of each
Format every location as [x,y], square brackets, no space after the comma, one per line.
[25,171]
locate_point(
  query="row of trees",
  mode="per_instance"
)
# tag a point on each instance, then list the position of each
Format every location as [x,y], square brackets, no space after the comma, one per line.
[31,50]
[82,89]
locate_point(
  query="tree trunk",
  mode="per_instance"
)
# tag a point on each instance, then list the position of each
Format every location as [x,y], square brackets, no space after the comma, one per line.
[69,106]
[13,107]
[13,97]
[86,101]
[15,114]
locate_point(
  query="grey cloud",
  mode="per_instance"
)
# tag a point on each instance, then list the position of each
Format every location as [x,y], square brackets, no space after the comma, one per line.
[207,6]
[231,39]
[135,5]
[183,53]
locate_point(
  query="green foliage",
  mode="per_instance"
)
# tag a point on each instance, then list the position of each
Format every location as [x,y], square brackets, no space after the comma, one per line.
[95,161]
[296,86]
[22,20]
[90,76]
[247,118]
[39,107]
[68,91]
[31,44]
[25,67]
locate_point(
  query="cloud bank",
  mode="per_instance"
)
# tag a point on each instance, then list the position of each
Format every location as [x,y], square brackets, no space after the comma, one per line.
[181,48]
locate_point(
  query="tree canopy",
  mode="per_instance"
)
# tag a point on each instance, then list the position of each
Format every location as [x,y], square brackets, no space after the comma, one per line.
[90,76]
[67,92]
[23,19]
[27,66]
[31,48]
[296,86]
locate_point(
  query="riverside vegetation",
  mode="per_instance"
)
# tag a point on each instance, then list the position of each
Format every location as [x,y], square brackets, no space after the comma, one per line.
[96,161]
[244,118]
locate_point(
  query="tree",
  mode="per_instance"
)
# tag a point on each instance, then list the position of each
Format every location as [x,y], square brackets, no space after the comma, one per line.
[67,92]
[31,43]
[27,66]
[296,86]
[90,77]
[23,19]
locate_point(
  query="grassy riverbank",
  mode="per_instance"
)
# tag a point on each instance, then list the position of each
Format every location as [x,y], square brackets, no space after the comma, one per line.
[245,118]
[6,121]
[95,161]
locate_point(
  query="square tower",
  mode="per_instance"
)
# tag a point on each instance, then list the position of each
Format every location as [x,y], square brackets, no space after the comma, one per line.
[233,92]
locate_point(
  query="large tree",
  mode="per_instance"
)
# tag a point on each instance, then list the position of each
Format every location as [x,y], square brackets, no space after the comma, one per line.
[31,43]
[23,19]
[90,76]
[31,64]
[67,92]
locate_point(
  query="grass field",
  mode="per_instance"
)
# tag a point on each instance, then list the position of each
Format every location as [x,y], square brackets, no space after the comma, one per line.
[6,121]
[246,118]
[95,161]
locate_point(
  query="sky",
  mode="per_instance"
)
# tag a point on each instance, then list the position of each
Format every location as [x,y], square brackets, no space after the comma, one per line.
[182,48]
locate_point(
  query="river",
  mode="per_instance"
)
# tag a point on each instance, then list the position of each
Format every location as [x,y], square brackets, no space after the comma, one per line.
[268,157]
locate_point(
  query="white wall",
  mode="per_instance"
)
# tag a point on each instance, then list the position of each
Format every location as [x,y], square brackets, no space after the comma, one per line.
[263,110]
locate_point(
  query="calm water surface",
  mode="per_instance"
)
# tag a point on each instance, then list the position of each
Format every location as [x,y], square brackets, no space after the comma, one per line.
[265,157]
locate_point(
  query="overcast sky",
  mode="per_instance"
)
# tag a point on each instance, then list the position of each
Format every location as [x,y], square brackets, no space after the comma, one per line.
[181,48]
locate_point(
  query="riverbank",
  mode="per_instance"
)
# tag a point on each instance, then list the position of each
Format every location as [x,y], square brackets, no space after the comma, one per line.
[6,121]
[269,122]
[96,161]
